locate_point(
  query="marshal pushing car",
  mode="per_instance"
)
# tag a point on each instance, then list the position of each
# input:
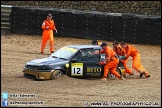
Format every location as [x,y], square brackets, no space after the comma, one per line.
[73,60]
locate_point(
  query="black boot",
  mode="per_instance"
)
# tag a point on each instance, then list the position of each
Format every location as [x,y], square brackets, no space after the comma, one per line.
[141,74]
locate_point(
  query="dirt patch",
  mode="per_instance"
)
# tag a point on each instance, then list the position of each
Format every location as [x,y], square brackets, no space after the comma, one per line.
[17,49]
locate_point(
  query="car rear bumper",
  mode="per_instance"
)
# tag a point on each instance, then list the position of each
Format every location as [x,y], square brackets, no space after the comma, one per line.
[37,75]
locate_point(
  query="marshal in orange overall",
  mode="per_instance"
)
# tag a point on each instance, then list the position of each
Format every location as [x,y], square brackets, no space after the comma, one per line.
[48,26]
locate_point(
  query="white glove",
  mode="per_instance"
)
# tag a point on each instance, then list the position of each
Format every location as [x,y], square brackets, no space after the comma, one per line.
[47,27]
[56,30]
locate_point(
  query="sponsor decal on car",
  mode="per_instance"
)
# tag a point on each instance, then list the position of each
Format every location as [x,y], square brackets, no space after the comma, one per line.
[94,69]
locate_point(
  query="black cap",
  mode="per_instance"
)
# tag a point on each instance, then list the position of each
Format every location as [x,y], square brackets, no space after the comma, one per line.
[103,44]
[94,42]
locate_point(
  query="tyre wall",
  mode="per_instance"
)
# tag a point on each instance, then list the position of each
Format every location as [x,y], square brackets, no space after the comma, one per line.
[131,28]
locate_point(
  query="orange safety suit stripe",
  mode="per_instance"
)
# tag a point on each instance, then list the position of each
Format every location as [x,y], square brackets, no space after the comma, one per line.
[48,34]
[111,63]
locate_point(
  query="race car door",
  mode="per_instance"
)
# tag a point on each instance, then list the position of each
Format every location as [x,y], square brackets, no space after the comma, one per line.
[85,63]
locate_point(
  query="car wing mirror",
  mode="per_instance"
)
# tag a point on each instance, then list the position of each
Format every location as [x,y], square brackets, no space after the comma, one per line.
[74,60]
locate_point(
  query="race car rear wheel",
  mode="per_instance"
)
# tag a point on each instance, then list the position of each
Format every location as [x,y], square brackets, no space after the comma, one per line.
[117,70]
[56,74]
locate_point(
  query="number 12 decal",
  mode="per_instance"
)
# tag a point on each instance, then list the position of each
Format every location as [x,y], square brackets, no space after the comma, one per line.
[77,69]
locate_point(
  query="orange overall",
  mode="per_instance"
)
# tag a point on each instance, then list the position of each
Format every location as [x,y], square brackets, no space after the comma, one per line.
[111,62]
[136,65]
[121,51]
[48,34]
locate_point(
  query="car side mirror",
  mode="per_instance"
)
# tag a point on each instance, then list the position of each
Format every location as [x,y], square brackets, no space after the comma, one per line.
[74,60]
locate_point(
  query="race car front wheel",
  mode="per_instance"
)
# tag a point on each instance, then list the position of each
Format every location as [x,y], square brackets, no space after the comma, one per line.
[56,74]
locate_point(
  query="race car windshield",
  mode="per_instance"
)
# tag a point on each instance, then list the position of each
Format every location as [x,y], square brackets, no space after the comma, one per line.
[64,53]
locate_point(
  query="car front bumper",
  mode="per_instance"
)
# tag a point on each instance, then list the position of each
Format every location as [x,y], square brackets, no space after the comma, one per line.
[43,75]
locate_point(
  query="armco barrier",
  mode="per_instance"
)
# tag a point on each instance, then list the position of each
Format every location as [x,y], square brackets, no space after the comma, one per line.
[88,24]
